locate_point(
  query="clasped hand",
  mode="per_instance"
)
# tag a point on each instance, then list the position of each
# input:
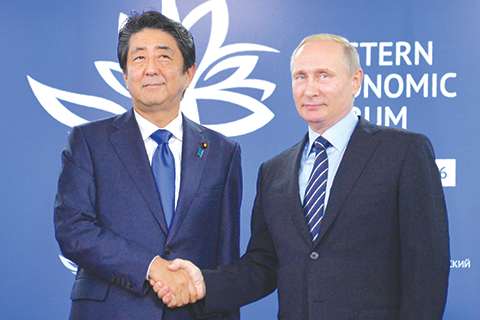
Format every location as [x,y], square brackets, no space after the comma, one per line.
[176,283]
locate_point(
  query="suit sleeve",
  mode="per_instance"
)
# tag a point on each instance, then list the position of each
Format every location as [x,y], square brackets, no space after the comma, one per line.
[228,245]
[250,278]
[424,234]
[78,230]
[228,249]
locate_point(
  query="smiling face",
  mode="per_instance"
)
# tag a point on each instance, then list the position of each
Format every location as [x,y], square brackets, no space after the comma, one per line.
[323,89]
[154,74]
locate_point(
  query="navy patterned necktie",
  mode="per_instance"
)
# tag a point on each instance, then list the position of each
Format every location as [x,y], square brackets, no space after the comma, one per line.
[314,201]
[163,167]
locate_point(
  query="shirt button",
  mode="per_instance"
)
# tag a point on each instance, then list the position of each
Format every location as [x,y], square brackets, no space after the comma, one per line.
[314,255]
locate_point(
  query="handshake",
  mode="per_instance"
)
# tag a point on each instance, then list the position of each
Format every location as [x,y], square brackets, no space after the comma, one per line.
[176,283]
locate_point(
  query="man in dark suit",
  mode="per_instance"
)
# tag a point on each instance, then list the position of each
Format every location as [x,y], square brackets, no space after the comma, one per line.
[380,249]
[111,216]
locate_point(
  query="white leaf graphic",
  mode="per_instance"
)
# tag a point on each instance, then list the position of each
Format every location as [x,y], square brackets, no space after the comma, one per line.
[49,99]
[69,264]
[261,115]
[169,9]
[122,19]
[245,65]
[105,69]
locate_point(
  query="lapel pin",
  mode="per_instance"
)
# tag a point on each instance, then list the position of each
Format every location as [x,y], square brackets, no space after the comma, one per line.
[203,146]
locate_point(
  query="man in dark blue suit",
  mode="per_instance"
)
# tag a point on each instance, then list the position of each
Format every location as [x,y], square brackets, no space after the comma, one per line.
[380,249]
[111,217]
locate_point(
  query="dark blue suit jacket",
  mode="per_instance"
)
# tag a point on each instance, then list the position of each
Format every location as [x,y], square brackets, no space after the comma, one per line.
[383,248]
[109,219]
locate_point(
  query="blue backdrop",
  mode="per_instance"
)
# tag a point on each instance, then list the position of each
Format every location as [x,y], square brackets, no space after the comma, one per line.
[59,68]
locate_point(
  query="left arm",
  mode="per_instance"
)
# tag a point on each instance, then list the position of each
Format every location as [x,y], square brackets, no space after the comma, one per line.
[424,240]
[229,228]
[228,242]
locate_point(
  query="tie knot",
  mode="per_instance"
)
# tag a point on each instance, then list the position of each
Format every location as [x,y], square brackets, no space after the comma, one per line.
[320,144]
[161,136]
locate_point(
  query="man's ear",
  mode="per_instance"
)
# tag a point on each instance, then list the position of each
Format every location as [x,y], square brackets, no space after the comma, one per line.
[190,74]
[125,77]
[357,79]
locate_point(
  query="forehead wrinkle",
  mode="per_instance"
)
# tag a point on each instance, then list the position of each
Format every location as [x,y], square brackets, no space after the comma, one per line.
[159,47]
[322,70]
[164,48]
[314,71]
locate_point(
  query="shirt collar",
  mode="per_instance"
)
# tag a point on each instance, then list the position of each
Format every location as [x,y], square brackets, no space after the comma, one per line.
[147,128]
[339,134]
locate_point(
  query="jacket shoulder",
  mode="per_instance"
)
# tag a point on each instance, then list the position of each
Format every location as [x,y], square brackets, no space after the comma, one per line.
[288,157]
[389,133]
[214,136]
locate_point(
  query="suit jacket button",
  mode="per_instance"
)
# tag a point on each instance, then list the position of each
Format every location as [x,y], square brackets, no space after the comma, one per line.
[168,250]
[314,255]
[128,285]
[113,279]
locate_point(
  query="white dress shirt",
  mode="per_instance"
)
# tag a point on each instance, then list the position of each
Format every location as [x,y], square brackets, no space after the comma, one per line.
[175,143]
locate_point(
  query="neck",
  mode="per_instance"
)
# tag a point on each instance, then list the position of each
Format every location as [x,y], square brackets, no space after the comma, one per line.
[159,118]
[321,127]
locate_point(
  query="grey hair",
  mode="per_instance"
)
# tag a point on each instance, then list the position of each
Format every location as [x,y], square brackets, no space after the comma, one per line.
[350,56]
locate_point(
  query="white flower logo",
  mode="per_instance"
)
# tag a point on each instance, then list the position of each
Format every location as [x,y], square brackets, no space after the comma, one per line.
[217,58]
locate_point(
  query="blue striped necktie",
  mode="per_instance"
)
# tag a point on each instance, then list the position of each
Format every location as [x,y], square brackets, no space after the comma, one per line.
[163,167]
[314,201]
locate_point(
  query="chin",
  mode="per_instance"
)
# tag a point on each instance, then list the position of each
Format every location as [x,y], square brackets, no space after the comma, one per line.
[316,117]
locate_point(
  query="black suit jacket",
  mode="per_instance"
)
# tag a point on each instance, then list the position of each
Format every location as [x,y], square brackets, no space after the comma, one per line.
[383,247]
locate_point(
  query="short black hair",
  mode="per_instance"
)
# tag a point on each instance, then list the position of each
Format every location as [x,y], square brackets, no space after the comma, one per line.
[155,20]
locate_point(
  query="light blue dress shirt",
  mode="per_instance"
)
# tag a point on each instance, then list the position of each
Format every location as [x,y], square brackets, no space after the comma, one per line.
[338,135]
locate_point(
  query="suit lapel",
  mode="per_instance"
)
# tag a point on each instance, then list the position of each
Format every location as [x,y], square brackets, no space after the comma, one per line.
[128,143]
[290,170]
[192,170]
[359,150]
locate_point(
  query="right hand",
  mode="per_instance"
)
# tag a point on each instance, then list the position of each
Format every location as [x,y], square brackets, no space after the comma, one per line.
[175,282]
[168,296]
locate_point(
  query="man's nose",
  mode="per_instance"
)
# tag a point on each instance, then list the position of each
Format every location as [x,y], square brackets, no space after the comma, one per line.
[312,88]
[151,67]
